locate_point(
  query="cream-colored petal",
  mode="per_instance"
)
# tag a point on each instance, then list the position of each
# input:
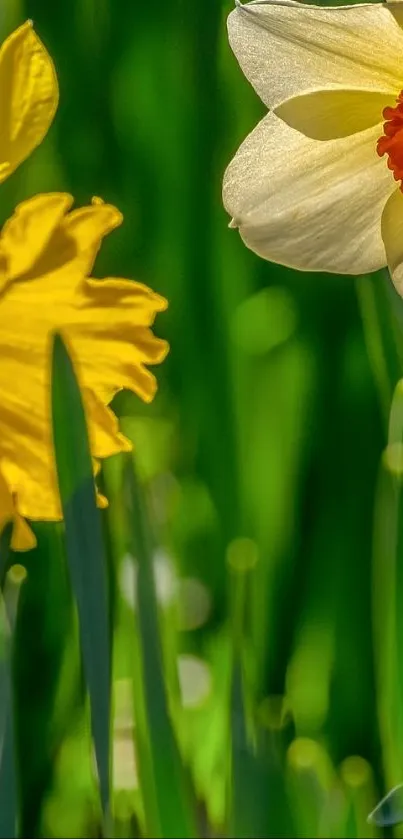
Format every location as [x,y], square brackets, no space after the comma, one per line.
[28,96]
[313,205]
[392,234]
[286,48]
[328,114]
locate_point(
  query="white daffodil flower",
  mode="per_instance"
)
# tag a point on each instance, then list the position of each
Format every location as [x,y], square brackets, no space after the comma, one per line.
[318,183]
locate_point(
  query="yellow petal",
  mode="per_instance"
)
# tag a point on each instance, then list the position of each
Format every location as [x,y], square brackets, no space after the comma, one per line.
[22,538]
[110,336]
[310,204]
[40,238]
[106,324]
[84,229]
[28,97]
[288,48]
[102,502]
[105,437]
[392,234]
[328,114]
[27,233]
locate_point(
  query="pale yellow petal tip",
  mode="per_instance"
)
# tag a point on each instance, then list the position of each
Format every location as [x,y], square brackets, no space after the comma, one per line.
[233,225]
[25,27]
[96,201]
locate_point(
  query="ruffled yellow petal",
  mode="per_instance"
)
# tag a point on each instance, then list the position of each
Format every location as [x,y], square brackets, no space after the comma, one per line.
[22,538]
[74,238]
[82,231]
[112,333]
[288,48]
[25,236]
[312,205]
[106,439]
[28,97]
[106,325]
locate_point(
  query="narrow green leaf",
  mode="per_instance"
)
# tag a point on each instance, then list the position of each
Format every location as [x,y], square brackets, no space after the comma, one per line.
[170,783]
[392,465]
[381,312]
[358,782]
[5,542]
[384,606]
[258,804]
[387,605]
[245,795]
[389,811]
[8,796]
[8,770]
[85,550]
[310,776]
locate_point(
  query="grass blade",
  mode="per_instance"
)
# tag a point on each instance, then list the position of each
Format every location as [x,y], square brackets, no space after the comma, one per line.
[387,609]
[5,543]
[258,804]
[85,551]
[171,795]
[244,776]
[389,811]
[380,311]
[357,778]
[8,783]
[392,463]
[8,793]
[247,816]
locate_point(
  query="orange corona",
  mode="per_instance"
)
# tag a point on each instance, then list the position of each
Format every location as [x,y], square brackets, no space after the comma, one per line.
[391,142]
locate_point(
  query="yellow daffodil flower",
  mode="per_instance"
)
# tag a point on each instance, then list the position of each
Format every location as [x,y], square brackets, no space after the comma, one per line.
[47,252]
[46,256]
[317,185]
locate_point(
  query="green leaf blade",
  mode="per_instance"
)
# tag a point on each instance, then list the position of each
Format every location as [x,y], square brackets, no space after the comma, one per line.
[85,551]
[9,810]
[172,795]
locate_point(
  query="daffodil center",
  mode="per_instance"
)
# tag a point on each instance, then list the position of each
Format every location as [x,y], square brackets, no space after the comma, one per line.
[391,142]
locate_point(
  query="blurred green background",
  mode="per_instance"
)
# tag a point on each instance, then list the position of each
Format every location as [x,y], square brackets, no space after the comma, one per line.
[261,456]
